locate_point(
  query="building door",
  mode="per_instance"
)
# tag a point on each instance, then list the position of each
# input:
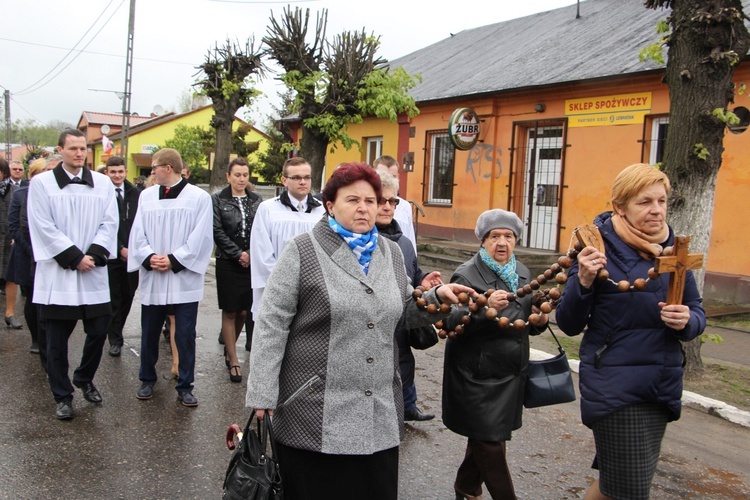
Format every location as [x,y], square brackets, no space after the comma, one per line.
[543,167]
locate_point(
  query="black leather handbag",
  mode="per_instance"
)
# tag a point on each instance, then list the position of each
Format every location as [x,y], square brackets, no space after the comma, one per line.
[423,337]
[252,473]
[550,381]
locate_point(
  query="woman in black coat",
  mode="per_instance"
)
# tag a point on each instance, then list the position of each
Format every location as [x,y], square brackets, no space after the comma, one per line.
[389,228]
[21,265]
[485,368]
[6,193]
[234,210]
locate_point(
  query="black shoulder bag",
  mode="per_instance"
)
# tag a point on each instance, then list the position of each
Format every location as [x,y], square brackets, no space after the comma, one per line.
[422,337]
[550,381]
[252,473]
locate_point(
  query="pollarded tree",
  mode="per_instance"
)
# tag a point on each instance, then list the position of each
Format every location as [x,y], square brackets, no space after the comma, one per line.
[708,40]
[335,83]
[226,80]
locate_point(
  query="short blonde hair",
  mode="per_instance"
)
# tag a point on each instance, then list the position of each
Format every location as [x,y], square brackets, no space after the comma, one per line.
[168,156]
[37,166]
[635,178]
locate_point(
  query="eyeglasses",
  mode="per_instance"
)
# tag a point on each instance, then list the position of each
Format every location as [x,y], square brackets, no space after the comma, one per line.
[393,201]
[297,178]
[162,165]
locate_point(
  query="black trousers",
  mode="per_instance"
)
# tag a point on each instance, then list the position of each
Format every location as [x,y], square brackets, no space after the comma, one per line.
[35,323]
[122,287]
[58,333]
[310,475]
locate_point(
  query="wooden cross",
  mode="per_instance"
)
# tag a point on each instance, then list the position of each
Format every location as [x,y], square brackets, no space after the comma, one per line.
[678,263]
[590,236]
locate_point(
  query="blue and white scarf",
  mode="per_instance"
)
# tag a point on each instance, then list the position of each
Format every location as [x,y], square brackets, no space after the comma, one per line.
[507,273]
[361,244]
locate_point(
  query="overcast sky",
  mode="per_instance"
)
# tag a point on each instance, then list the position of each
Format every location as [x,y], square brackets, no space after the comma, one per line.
[49,82]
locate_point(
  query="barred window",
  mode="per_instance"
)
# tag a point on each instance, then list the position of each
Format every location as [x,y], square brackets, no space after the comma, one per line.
[439,166]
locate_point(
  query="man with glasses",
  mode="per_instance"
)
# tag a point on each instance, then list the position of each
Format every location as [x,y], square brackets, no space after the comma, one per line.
[16,173]
[402,211]
[277,220]
[170,245]
[72,215]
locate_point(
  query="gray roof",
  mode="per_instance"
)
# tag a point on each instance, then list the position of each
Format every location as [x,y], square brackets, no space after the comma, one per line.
[542,49]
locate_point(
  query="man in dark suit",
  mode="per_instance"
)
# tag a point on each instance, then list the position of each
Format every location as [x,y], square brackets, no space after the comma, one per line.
[16,173]
[122,284]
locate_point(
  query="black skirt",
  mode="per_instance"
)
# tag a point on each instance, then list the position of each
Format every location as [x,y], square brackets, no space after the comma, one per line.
[233,287]
[309,475]
[628,442]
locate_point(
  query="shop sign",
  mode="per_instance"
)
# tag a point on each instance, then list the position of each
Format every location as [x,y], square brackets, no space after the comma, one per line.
[621,109]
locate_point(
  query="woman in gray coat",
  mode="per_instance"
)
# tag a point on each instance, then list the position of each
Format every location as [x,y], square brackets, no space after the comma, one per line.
[329,310]
[485,368]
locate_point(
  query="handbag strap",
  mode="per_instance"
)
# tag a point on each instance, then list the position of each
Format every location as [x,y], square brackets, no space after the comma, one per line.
[559,345]
[268,435]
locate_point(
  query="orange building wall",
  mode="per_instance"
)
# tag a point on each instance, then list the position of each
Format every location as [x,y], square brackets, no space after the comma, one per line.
[592,159]
[729,241]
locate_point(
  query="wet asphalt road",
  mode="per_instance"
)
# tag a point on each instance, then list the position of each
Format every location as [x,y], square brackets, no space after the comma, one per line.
[126,448]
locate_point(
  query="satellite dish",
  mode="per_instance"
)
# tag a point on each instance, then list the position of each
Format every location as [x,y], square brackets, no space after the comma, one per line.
[158,109]
[105,129]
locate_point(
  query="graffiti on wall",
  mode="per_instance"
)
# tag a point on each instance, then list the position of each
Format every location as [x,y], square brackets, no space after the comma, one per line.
[479,162]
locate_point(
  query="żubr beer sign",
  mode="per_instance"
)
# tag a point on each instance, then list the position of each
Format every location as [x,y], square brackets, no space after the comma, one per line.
[463,128]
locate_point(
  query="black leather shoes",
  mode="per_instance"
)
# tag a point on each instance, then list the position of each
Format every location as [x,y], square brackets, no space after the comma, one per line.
[34,349]
[90,393]
[187,399]
[416,415]
[145,392]
[115,350]
[64,410]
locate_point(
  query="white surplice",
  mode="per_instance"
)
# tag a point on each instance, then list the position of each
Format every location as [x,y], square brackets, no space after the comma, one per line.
[77,215]
[403,215]
[274,224]
[182,227]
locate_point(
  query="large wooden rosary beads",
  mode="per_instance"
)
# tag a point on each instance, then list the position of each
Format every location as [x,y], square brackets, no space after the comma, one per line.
[545,299]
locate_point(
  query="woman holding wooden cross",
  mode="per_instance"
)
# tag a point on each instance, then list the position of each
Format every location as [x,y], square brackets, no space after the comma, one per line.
[631,356]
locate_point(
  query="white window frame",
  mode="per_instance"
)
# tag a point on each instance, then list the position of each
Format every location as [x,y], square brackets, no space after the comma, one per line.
[377,144]
[655,139]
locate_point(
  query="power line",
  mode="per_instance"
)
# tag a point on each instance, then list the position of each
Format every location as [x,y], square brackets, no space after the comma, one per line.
[71,50]
[27,111]
[264,1]
[94,52]
[29,89]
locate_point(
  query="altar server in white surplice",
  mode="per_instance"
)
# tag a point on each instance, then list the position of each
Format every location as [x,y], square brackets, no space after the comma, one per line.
[277,220]
[73,220]
[170,244]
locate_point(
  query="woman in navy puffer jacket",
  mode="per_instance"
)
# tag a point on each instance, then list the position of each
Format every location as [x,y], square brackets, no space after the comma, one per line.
[631,355]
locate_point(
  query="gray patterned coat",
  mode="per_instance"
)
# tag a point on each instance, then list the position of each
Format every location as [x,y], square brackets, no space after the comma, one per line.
[321,315]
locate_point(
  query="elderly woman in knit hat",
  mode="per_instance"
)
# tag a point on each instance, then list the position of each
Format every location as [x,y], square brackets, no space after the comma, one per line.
[485,368]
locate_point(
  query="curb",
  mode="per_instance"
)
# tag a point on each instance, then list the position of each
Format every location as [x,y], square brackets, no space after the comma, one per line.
[689,399]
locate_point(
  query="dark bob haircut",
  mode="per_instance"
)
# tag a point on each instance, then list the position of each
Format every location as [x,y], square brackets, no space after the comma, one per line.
[237,161]
[349,173]
[4,168]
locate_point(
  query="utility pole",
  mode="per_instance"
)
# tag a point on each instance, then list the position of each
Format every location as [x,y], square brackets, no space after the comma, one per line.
[128,85]
[7,125]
